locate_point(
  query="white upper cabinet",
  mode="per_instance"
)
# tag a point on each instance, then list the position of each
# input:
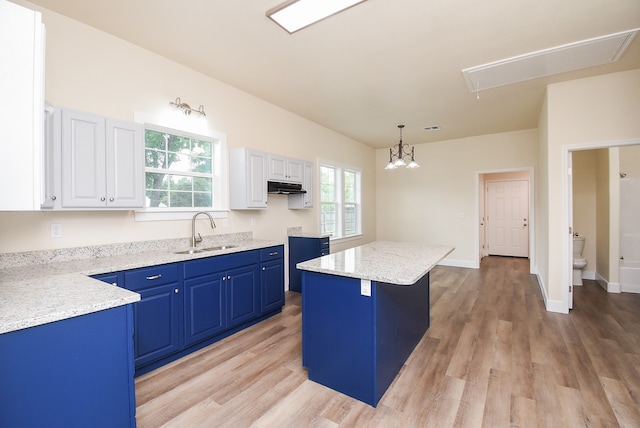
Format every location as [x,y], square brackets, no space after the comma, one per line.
[285,169]
[247,179]
[304,200]
[22,88]
[52,161]
[102,162]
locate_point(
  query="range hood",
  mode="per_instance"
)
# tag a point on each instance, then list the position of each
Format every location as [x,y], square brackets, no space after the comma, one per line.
[284,188]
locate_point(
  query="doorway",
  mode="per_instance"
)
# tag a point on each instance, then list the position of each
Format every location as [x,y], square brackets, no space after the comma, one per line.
[505,224]
[507,218]
[606,262]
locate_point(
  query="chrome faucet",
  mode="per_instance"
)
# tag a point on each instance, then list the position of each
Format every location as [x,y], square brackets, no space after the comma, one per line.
[194,240]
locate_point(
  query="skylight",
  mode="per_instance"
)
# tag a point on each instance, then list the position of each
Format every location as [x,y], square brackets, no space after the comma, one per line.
[298,14]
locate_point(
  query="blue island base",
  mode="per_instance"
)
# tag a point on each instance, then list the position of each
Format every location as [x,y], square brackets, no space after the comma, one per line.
[356,344]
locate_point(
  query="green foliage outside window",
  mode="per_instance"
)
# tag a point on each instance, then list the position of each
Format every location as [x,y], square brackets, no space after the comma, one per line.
[179,170]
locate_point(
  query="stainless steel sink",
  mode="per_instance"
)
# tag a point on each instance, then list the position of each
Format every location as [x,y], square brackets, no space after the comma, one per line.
[200,250]
[219,247]
[189,251]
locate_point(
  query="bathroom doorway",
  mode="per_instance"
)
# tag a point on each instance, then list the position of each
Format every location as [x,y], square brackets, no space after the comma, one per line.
[593,178]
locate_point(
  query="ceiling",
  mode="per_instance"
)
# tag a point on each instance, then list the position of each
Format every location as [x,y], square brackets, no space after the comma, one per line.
[374,66]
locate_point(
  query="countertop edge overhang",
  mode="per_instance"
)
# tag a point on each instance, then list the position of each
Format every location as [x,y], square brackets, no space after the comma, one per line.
[39,294]
[401,263]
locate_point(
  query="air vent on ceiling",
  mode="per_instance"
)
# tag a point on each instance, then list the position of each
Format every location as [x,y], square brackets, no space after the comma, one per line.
[432,128]
[559,59]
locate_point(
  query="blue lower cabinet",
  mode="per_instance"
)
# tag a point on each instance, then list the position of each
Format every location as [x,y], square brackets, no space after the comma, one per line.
[301,249]
[158,316]
[204,307]
[157,323]
[272,278]
[185,306]
[76,372]
[243,295]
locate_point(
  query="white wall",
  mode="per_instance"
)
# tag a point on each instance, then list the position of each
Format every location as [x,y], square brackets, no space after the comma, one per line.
[579,113]
[87,69]
[437,203]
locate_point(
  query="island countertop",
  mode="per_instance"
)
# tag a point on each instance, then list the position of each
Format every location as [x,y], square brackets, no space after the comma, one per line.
[32,295]
[401,263]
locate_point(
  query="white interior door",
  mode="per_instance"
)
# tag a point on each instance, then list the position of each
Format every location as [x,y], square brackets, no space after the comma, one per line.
[481,229]
[508,218]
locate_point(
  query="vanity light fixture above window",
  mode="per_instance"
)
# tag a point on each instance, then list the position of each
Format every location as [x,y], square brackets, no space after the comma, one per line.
[186,108]
[298,14]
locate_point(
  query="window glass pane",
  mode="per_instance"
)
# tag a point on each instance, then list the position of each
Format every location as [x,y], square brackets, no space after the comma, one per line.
[350,220]
[202,148]
[328,219]
[157,198]
[181,182]
[155,140]
[349,186]
[180,199]
[179,144]
[327,184]
[202,199]
[200,164]
[201,184]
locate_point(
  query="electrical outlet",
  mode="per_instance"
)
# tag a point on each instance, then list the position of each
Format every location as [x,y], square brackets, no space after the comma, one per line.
[253,221]
[225,222]
[56,230]
[365,287]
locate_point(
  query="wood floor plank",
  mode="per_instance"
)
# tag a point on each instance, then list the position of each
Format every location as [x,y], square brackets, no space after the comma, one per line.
[493,357]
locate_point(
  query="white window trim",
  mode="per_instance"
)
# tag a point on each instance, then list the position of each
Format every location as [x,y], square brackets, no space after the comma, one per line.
[195,127]
[342,167]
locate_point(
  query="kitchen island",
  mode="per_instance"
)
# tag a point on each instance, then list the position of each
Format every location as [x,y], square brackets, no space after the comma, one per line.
[363,312]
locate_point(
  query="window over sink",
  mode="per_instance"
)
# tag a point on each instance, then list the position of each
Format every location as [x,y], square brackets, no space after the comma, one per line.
[183,171]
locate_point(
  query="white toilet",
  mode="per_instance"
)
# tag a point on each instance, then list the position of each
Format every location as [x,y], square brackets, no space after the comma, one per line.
[578,261]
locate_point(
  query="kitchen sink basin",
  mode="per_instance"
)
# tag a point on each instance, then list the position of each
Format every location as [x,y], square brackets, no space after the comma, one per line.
[219,247]
[189,251]
[200,250]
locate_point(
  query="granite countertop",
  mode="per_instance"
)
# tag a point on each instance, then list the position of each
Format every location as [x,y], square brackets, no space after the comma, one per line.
[401,263]
[310,235]
[40,293]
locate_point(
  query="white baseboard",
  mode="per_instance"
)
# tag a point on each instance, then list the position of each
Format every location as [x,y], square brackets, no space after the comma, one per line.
[551,305]
[610,287]
[589,274]
[459,263]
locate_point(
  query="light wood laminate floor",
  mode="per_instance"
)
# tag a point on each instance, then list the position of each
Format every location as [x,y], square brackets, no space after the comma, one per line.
[493,357]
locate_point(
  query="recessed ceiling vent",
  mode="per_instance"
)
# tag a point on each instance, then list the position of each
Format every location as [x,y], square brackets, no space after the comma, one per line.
[559,59]
[432,128]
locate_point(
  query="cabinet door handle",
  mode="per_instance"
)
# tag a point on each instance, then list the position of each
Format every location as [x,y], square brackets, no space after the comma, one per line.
[53,198]
[275,253]
[103,199]
[154,277]
[111,199]
[264,268]
[229,277]
[176,291]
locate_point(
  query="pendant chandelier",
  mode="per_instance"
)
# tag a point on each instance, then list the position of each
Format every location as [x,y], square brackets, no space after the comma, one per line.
[397,154]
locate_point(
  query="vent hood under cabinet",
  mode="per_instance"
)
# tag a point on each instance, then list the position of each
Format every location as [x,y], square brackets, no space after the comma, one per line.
[284,188]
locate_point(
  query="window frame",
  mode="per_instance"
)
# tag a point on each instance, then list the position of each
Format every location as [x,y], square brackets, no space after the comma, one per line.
[220,185]
[340,203]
